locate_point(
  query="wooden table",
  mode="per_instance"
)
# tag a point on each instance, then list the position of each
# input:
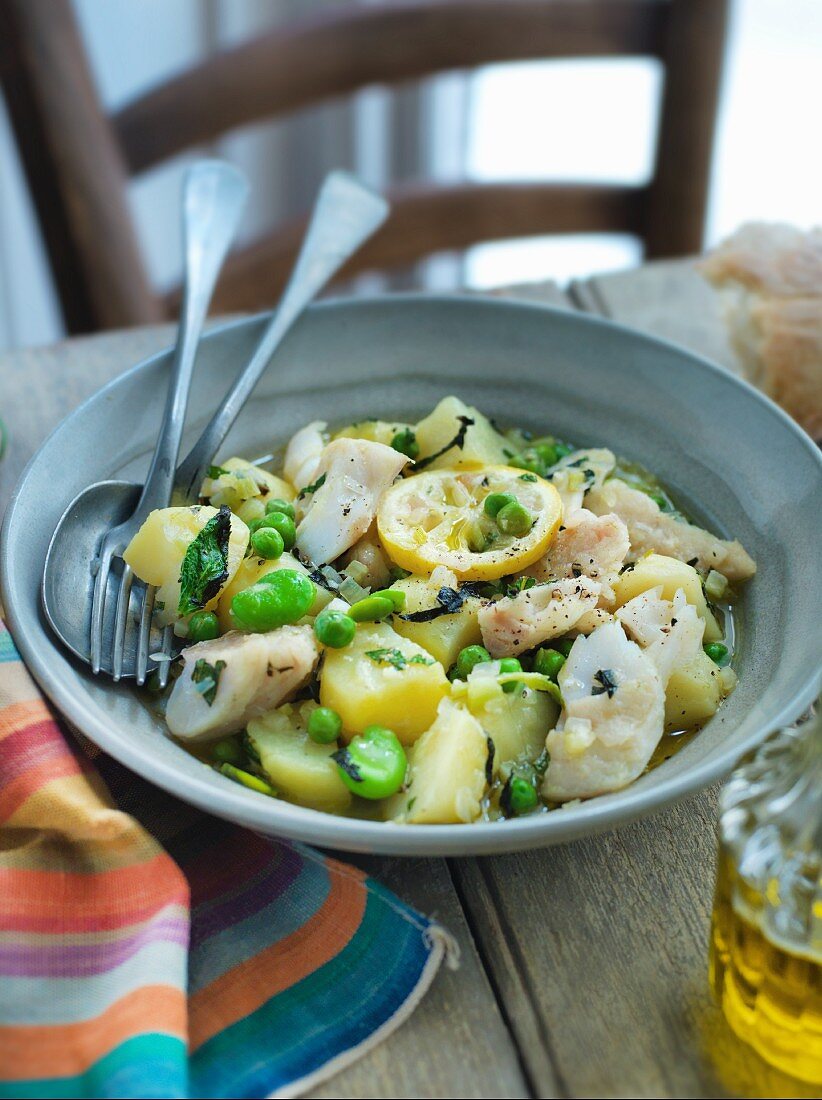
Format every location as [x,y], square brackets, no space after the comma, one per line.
[583,966]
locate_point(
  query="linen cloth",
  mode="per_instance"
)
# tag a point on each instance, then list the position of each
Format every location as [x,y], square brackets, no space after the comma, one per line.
[149,950]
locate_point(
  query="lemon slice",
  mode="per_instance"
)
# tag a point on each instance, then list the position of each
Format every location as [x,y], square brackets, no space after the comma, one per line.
[437,518]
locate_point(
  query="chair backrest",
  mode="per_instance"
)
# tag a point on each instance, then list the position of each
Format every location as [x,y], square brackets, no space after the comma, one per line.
[78,160]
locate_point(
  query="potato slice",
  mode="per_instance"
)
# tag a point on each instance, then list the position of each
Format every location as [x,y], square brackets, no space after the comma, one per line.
[298,767]
[444,636]
[399,686]
[376,431]
[658,570]
[693,694]
[483,445]
[447,771]
[517,722]
[157,550]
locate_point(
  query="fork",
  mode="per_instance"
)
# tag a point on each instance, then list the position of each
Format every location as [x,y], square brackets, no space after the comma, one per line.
[345,214]
[214,194]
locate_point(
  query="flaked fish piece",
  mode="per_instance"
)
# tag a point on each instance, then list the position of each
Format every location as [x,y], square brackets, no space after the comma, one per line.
[355,473]
[515,624]
[228,680]
[578,473]
[586,545]
[613,717]
[670,631]
[368,553]
[303,453]
[651,529]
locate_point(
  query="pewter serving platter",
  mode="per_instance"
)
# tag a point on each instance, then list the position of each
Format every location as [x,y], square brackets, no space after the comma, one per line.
[730,457]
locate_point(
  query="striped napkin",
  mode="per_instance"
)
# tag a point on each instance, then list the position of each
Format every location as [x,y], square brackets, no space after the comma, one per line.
[147,949]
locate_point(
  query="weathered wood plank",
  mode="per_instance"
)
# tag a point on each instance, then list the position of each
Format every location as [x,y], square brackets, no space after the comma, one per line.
[38,388]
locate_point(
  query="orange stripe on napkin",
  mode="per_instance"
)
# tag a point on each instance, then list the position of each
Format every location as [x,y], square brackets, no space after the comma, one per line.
[242,990]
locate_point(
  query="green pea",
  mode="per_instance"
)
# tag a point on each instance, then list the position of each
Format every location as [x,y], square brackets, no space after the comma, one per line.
[494,502]
[563,450]
[529,460]
[371,609]
[324,725]
[267,542]
[335,629]
[547,453]
[468,658]
[564,646]
[519,796]
[514,519]
[548,662]
[279,505]
[510,664]
[719,653]
[228,751]
[406,443]
[395,595]
[282,523]
[253,782]
[275,600]
[374,764]
[203,626]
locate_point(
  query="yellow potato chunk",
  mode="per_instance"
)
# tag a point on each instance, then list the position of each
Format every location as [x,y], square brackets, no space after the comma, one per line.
[399,686]
[253,569]
[447,777]
[517,722]
[444,636]
[483,446]
[658,570]
[299,768]
[693,693]
[376,431]
[157,550]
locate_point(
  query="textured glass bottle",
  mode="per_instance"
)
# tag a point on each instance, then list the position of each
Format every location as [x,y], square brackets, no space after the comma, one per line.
[766,933]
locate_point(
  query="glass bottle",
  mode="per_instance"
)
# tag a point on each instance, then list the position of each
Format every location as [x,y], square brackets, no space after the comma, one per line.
[766,931]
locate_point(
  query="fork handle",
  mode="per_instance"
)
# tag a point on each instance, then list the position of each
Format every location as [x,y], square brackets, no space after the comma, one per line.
[214,194]
[345,215]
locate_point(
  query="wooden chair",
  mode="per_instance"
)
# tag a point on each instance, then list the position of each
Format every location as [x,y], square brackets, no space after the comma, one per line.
[78,159]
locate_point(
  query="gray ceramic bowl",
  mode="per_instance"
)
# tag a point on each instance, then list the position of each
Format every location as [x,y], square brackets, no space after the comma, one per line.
[730,456]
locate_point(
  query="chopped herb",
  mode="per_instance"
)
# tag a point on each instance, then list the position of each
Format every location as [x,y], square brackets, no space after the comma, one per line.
[217,471]
[405,442]
[457,441]
[521,584]
[205,565]
[397,659]
[489,761]
[449,602]
[159,605]
[343,758]
[410,805]
[206,678]
[397,573]
[527,477]
[605,678]
[627,567]
[312,488]
[692,562]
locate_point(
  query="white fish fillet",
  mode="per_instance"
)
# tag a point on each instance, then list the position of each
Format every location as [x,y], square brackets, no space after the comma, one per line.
[515,624]
[650,529]
[261,671]
[613,717]
[302,455]
[589,545]
[357,472]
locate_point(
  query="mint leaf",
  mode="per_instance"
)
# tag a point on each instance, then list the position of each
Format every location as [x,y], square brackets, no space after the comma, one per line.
[397,659]
[217,471]
[206,678]
[205,565]
[306,489]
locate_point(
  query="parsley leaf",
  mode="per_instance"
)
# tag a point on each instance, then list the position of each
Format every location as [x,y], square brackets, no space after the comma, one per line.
[205,565]
[397,659]
[206,678]
[527,477]
[312,488]
[217,471]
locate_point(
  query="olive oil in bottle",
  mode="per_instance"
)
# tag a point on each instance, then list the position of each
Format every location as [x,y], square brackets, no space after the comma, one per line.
[766,932]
